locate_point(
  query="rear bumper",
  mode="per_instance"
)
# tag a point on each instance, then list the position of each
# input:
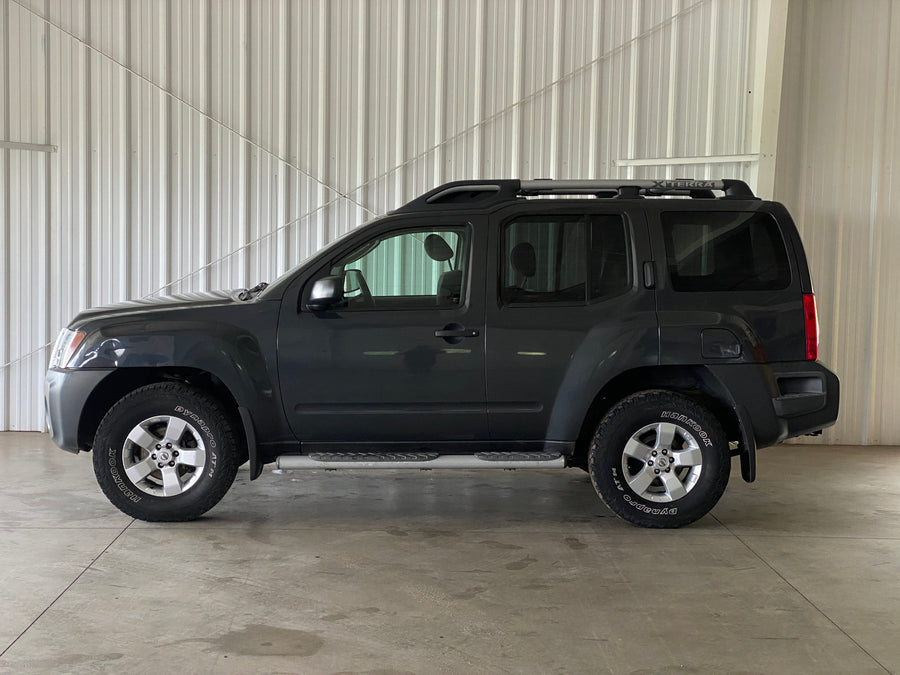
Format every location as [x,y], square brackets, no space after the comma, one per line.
[782,400]
[65,395]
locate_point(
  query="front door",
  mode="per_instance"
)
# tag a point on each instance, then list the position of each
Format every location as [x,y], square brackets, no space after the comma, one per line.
[401,359]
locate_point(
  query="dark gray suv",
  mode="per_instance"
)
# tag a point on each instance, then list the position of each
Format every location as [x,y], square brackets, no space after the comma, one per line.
[644,331]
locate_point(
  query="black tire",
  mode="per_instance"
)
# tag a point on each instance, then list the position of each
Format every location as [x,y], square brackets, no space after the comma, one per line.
[648,445]
[179,439]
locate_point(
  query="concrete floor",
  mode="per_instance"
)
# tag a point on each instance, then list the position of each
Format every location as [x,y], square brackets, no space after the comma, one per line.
[439,572]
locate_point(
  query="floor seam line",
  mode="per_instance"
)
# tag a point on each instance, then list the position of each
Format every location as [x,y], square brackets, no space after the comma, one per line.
[803,595]
[66,589]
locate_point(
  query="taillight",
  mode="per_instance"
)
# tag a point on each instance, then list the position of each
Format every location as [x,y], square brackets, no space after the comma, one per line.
[811,322]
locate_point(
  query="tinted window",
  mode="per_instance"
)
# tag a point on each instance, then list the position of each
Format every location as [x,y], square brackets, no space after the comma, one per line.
[564,258]
[710,251]
[404,270]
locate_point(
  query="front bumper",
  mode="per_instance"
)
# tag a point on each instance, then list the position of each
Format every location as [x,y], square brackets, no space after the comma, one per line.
[65,394]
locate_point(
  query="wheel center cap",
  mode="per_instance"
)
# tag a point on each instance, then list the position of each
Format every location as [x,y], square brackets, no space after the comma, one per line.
[163,456]
[662,462]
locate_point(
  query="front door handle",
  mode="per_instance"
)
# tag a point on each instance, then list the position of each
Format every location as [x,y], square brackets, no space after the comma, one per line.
[454,333]
[461,333]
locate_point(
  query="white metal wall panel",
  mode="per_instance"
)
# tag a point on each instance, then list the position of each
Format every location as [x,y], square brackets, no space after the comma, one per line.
[5,226]
[838,145]
[206,144]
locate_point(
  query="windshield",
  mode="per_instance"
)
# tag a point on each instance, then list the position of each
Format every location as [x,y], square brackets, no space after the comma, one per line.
[277,286]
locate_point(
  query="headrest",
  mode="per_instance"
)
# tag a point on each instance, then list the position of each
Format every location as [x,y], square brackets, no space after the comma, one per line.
[437,249]
[450,277]
[523,259]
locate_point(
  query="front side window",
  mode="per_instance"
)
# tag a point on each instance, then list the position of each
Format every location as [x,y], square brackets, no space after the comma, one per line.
[411,269]
[716,251]
[564,259]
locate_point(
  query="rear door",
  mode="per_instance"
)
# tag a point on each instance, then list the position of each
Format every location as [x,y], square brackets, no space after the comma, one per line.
[566,311]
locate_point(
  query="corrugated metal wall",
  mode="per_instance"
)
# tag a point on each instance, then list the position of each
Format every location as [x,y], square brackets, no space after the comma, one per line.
[838,143]
[200,143]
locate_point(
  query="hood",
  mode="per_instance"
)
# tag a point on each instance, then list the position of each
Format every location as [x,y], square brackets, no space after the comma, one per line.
[162,302]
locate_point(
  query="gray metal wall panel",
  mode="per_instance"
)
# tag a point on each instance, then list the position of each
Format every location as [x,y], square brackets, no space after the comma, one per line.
[838,144]
[215,144]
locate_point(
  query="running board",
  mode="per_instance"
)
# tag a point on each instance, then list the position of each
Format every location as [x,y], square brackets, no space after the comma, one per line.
[422,460]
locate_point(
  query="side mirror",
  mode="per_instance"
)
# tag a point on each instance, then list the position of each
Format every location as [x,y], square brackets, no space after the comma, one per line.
[326,292]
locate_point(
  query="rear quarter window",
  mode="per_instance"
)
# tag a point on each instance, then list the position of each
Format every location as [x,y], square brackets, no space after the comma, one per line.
[725,251]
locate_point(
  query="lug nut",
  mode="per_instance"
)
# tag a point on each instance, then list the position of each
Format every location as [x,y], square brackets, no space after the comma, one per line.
[158,446]
[650,462]
[160,465]
[654,453]
[174,453]
[656,470]
[171,463]
[168,445]
[153,456]
[665,452]
[668,470]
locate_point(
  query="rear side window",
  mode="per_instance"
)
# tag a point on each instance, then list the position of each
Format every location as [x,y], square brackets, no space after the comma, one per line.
[716,251]
[564,258]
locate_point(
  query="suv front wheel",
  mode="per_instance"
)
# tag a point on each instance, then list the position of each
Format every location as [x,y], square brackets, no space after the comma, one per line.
[165,452]
[658,459]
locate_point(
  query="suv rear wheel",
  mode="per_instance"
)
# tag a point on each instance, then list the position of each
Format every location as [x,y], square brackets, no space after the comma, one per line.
[658,459]
[165,452]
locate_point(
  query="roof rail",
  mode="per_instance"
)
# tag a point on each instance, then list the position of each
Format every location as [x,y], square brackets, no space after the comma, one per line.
[734,189]
[478,193]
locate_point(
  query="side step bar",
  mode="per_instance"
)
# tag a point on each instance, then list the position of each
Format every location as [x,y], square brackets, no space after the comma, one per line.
[422,460]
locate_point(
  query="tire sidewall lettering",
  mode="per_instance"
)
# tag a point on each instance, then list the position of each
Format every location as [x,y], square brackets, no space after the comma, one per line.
[640,506]
[616,481]
[204,427]
[117,477]
[684,419]
[651,510]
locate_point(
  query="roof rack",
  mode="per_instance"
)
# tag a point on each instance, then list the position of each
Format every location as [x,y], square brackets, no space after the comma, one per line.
[469,193]
[624,187]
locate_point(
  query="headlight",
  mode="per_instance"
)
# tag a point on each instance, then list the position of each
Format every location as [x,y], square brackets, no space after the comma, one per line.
[67,344]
